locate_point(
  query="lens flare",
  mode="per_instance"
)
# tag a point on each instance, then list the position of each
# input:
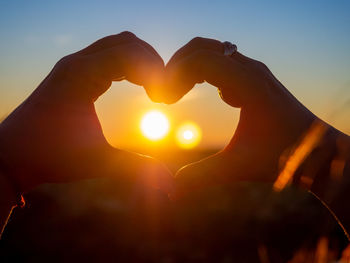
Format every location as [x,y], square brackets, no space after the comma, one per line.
[188,135]
[154,125]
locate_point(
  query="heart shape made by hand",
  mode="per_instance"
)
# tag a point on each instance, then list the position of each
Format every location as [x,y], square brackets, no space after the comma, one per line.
[271,121]
[63,139]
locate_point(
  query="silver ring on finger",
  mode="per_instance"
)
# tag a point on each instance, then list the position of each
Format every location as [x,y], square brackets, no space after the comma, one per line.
[229,48]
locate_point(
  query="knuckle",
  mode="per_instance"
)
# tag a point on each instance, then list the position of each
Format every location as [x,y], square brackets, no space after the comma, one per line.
[196,41]
[260,66]
[70,65]
[127,34]
[112,38]
[63,61]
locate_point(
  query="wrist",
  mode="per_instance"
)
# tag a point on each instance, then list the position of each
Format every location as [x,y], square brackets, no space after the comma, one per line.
[333,177]
[14,161]
[7,192]
[11,193]
[332,184]
[323,171]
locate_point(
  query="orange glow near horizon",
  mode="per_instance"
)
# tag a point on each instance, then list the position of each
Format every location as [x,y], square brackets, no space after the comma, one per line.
[155,126]
[188,135]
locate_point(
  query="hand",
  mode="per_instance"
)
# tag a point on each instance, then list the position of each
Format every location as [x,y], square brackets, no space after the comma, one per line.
[271,121]
[55,135]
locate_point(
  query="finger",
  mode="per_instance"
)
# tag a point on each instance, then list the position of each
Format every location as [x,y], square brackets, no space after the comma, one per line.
[161,94]
[197,176]
[106,161]
[142,169]
[195,44]
[219,169]
[204,65]
[114,40]
[158,93]
[129,61]
[211,45]
[198,43]
[242,58]
[125,37]
[233,164]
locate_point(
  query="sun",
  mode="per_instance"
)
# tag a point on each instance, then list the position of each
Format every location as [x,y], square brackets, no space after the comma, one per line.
[154,125]
[188,135]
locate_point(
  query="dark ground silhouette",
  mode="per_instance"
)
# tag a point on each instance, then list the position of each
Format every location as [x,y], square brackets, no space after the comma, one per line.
[102,221]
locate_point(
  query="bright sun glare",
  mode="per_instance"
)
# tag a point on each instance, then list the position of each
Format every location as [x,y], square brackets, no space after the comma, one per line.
[154,125]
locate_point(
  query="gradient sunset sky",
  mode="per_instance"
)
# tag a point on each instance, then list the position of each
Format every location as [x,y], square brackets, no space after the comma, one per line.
[306,44]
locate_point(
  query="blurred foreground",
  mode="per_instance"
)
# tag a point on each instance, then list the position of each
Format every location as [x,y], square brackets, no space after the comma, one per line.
[100,220]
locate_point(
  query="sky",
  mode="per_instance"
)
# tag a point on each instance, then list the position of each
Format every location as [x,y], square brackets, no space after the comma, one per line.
[304,43]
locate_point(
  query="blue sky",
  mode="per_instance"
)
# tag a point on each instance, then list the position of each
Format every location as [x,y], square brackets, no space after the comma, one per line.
[305,44]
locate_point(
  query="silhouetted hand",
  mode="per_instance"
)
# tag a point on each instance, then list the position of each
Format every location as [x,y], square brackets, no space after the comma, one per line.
[55,135]
[272,122]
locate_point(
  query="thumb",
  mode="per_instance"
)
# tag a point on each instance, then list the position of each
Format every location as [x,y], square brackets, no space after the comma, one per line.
[198,175]
[138,168]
